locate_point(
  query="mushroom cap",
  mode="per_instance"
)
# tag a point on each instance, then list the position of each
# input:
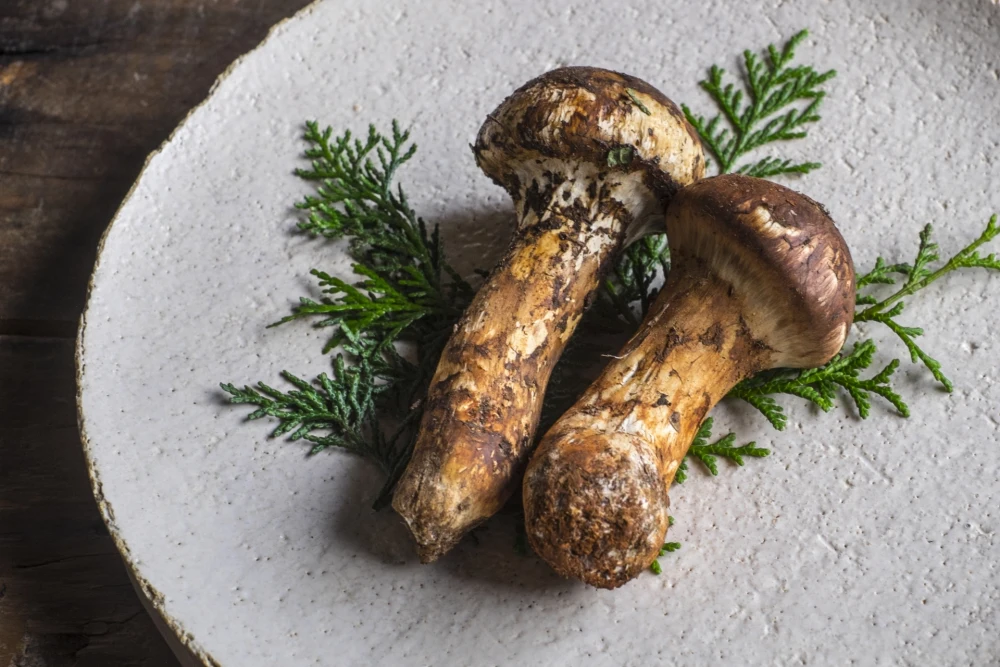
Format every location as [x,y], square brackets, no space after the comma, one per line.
[590,115]
[782,254]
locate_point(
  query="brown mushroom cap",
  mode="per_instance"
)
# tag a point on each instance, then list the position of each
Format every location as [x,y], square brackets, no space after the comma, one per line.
[785,254]
[586,115]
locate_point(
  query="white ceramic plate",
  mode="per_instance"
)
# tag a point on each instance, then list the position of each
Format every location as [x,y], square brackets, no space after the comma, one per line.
[864,542]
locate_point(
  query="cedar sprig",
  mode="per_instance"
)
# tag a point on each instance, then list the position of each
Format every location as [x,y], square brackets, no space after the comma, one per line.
[380,306]
[916,277]
[632,286]
[777,103]
[359,407]
[409,291]
[707,453]
[667,548]
[820,386]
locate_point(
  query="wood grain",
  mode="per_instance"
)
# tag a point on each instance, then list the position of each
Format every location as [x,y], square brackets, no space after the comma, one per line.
[87,89]
[66,596]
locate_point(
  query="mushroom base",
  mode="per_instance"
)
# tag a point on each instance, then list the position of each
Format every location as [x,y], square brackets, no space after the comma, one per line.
[599,508]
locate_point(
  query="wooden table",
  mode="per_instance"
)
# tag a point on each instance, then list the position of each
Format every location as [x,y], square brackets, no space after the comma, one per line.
[87,89]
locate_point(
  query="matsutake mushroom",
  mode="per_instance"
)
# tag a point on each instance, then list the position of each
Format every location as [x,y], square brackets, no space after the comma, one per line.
[760,278]
[589,157]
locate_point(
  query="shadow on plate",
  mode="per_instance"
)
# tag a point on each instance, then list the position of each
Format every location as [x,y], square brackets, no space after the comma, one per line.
[488,555]
[472,239]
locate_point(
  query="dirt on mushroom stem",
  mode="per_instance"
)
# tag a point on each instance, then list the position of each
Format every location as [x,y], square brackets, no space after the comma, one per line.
[484,401]
[596,493]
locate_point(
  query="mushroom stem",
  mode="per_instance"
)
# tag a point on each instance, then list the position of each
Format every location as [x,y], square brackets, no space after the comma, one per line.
[484,400]
[614,454]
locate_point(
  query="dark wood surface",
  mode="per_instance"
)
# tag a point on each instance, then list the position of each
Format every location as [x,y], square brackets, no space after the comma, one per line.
[87,89]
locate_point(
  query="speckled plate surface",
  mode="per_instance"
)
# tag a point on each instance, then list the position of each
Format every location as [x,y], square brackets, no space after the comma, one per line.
[855,543]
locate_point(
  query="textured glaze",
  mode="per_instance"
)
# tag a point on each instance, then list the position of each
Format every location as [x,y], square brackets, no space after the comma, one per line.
[874,541]
[548,144]
[760,278]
